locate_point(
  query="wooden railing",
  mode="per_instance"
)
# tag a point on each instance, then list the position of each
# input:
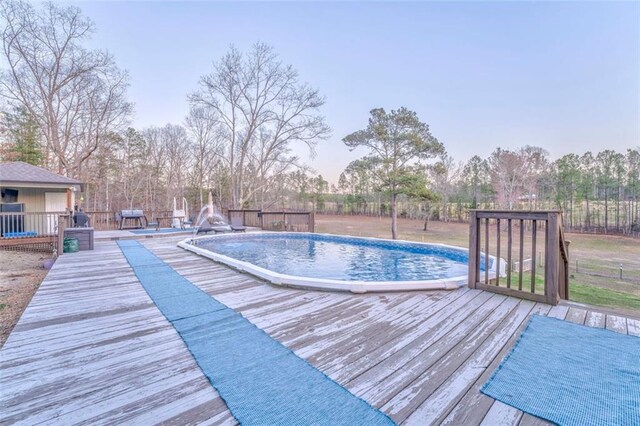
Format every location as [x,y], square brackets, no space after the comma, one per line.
[40,223]
[493,267]
[106,220]
[287,221]
[273,221]
[245,217]
[33,231]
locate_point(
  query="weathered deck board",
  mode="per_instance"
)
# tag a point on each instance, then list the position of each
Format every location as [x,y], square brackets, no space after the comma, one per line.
[92,348]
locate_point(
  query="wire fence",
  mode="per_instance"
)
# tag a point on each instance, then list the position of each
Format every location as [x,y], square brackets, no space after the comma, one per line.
[627,271]
[618,271]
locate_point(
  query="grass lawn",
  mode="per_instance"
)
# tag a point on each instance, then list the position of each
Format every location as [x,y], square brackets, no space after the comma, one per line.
[596,254]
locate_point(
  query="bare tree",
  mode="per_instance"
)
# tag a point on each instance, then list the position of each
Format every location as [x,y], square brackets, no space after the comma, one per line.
[130,171]
[178,152]
[77,96]
[445,175]
[155,153]
[207,150]
[259,102]
[475,177]
[536,163]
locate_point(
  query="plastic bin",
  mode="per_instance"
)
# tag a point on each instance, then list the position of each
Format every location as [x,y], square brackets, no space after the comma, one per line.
[70,245]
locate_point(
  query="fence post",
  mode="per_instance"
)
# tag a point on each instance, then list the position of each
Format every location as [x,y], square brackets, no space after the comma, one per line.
[621,271]
[312,219]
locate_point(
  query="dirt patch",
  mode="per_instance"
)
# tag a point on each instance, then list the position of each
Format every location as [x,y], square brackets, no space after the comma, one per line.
[20,277]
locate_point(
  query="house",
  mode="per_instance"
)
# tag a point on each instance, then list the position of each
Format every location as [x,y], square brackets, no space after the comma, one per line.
[38,189]
[32,199]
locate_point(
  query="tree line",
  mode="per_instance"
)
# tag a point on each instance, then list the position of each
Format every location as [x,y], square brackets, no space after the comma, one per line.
[596,191]
[65,107]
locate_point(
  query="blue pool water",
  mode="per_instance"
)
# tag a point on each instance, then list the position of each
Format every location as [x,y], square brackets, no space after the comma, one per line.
[342,258]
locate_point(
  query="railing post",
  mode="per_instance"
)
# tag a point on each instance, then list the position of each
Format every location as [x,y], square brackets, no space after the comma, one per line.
[473,249]
[565,284]
[553,254]
[62,222]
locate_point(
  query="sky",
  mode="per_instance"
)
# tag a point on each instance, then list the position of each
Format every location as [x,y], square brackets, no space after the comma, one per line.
[564,76]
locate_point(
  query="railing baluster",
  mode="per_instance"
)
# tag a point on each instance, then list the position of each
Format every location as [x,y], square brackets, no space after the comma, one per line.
[534,230]
[498,253]
[486,251]
[521,254]
[546,253]
[509,243]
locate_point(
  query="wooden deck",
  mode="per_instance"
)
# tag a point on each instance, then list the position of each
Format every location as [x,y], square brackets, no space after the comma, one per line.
[91,348]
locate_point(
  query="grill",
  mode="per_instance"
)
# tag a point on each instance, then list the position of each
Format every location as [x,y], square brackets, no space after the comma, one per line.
[131,219]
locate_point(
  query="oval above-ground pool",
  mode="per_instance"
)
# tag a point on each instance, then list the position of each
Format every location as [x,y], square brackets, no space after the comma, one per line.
[335,262]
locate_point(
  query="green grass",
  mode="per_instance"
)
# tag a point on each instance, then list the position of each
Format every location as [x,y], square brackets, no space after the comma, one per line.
[581,293]
[2,306]
[602,296]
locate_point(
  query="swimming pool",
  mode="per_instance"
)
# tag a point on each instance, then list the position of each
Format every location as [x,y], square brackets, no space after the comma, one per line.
[337,262]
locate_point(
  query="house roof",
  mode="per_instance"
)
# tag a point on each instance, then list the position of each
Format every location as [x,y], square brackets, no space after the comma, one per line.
[21,173]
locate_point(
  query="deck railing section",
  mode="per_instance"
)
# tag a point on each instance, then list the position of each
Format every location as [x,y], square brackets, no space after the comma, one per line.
[245,217]
[536,254]
[287,221]
[32,231]
[273,221]
[106,220]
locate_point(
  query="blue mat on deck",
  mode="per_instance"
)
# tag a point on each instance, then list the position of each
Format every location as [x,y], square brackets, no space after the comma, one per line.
[261,381]
[571,374]
[160,231]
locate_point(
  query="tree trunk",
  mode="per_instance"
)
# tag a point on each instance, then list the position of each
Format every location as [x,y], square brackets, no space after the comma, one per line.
[394,217]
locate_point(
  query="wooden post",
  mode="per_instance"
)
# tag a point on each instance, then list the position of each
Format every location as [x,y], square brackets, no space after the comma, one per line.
[69,200]
[474,252]
[312,219]
[564,293]
[552,255]
[62,222]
